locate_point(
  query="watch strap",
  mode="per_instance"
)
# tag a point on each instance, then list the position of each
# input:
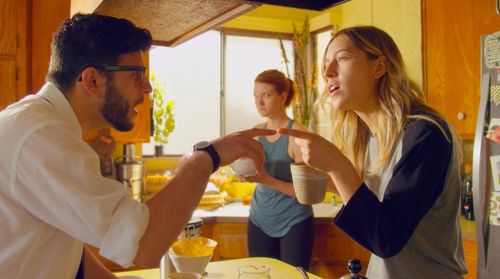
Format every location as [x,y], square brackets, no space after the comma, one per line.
[210,149]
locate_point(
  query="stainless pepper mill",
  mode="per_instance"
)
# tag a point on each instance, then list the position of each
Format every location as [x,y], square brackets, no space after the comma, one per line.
[129,171]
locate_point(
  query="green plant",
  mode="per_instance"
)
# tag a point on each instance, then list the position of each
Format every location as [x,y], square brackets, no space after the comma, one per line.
[163,117]
[305,74]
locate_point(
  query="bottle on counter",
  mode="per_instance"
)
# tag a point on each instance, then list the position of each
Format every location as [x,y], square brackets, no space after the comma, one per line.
[468,206]
[354,267]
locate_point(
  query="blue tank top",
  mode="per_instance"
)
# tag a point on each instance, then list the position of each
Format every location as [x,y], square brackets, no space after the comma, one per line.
[272,211]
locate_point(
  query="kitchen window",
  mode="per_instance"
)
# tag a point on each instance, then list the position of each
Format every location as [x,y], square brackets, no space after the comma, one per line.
[245,58]
[321,40]
[210,79]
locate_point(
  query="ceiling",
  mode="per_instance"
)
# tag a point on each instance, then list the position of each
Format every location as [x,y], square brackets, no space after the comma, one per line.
[172,22]
[283,13]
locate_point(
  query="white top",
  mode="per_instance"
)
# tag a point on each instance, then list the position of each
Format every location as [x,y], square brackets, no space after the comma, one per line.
[53,197]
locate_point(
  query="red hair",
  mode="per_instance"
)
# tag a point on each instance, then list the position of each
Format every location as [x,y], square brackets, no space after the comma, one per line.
[280,82]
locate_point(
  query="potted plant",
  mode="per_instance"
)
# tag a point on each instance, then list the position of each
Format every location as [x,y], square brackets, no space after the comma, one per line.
[305,74]
[163,117]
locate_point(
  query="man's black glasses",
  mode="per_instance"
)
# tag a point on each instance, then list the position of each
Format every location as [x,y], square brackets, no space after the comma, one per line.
[117,68]
[140,70]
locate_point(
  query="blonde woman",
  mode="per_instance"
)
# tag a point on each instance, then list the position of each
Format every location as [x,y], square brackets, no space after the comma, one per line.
[394,161]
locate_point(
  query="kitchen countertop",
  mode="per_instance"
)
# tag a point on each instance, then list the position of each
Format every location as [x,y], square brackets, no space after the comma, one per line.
[237,212]
[229,269]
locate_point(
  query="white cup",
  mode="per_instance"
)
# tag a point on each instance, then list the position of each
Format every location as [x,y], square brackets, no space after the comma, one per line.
[244,167]
[309,183]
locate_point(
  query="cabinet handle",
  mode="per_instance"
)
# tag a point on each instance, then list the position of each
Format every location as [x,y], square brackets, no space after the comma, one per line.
[498,6]
[461,115]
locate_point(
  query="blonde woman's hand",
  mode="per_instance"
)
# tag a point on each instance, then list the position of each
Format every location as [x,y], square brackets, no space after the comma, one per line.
[319,153]
[316,151]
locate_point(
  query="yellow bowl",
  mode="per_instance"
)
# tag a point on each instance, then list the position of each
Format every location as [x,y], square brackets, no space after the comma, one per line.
[239,190]
[193,247]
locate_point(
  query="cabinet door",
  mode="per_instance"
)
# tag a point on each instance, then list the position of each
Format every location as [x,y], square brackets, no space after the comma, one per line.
[46,16]
[12,50]
[470,253]
[486,18]
[7,28]
[451,62]
[332,250]
[7,82]
[231,241]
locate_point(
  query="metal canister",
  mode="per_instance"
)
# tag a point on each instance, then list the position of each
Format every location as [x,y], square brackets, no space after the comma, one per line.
[130,171]
[192,229]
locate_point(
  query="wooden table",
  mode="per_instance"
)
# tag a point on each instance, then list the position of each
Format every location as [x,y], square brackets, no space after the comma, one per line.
[229,269]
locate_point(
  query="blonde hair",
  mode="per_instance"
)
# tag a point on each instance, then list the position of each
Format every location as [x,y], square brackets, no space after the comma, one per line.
[397,96]
[280,83]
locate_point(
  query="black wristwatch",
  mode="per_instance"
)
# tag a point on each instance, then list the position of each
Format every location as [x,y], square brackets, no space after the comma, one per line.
[210,149]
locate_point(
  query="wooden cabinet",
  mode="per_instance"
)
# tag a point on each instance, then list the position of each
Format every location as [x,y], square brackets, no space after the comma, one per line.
[46,17]
[470,247]
[8,81]
[451,55]
[332,249]
[231,240]
[450,64]
[470,253]
[13,55]
[486,18]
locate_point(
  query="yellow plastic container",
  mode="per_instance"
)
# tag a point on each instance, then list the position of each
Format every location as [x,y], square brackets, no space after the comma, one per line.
[193,246]
[328,197]
[239,190]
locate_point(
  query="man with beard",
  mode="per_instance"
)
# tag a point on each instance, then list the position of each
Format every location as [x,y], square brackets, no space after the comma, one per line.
[53,198]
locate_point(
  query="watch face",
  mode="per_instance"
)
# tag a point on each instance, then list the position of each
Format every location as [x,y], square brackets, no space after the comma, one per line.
[201,145]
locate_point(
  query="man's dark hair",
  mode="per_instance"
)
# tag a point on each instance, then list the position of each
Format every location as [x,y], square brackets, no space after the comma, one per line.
[92,39]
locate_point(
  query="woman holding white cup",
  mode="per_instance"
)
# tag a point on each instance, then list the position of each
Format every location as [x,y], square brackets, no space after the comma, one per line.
[279,226]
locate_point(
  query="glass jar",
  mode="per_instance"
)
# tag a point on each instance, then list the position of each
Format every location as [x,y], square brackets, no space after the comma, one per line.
[254,272]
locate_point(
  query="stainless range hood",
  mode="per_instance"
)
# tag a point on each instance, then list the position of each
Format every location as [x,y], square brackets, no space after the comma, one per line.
[172,22]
